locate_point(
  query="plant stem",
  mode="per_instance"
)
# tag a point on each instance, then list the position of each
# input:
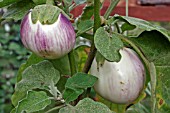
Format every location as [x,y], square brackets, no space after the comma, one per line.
[111,7]
[127,8]
[121,108]
[97,21]
[90,58]
[153,86]
[118,28]
[72,63]
[53,89]
[80,33]
[87,36]
[55,108]
[93,49]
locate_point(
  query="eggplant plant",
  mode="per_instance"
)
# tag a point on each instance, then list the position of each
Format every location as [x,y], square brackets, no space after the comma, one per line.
[90,63]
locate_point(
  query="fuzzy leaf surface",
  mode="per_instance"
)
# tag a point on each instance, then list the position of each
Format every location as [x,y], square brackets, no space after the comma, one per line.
[107,45]
[77,84]
[16,11]
[144,25]
[156,48]
[34,101]
[7,2]
[40,76]
[87,105]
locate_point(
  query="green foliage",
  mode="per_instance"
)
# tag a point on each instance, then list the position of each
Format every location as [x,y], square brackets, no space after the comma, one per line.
[16,11]
[34,101]
[84,26]
[87,12]
[162,88]
[138,108]
[37,2]
[127,26]
[158,52]
[33,59]
[40,75]
[68,2]
[144,25]
[46,14]
[155,52]
[38,79]
[12,54]
[62,65]
[86,105]
[99,59]
[108,46]
[154,44]
[7,2]
[76,85]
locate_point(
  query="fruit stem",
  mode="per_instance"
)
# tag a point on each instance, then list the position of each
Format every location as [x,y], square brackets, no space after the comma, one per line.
[111,8]
[72,63]
[93,49]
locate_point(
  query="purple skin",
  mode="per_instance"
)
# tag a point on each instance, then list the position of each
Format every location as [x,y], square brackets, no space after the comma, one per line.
[48,41]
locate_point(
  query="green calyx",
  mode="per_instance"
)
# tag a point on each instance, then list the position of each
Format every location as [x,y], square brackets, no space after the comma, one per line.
[46,14]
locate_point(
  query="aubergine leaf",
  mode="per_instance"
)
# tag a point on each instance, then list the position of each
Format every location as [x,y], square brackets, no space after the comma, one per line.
[156,48]
[144,25]
[40,76]
[7,2]
[108,45]
[34,101]
[86,105]
[17,10]
[33,59]
[87,12]
[76,85]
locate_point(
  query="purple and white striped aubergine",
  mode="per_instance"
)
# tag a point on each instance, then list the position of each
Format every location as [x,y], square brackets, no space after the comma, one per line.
[48,41]
[120,82]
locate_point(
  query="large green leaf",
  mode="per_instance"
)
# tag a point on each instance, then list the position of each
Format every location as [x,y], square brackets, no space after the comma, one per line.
[39,76]
[127,26]
[62,65]
[84,26]
[144,25]
[155,47]
[17,10]
[107,45]
[33,59]
[68,2]
[77,84]
[7,2]
[138,108]
[87,105]
[35,101]
[39,1]
[87,12]
[163,89]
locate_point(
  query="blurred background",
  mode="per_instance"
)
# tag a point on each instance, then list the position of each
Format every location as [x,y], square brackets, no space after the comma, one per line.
[13,54]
